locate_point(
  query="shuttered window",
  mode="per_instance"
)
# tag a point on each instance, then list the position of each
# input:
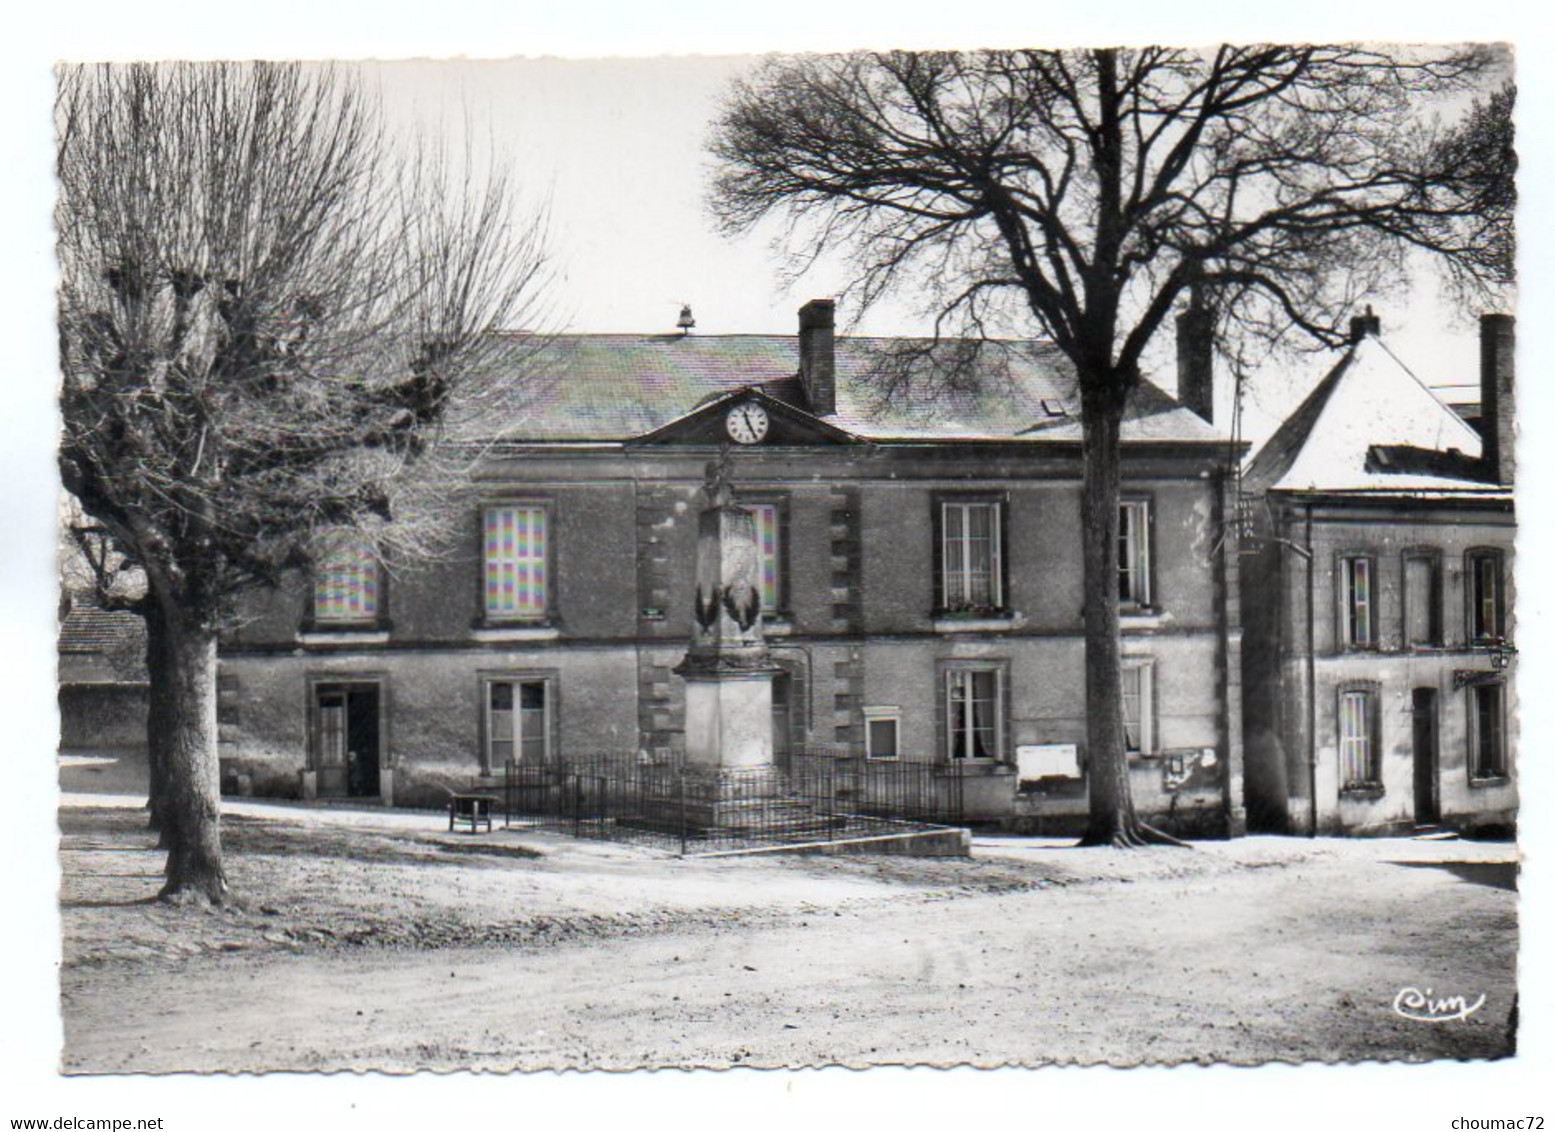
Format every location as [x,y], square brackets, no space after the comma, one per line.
[345,580]
[515,563]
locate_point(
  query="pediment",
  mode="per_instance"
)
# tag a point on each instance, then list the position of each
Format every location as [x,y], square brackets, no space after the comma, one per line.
[787,425]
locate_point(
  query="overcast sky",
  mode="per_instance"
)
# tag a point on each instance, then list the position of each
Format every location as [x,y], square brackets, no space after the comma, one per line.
[616,147]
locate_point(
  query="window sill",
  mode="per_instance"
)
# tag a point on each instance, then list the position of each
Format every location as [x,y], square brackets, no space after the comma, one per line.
[343,636]
[1489,781]
[1001,623]
[975,768]
[538,631]
[1141,617]
[1362,793]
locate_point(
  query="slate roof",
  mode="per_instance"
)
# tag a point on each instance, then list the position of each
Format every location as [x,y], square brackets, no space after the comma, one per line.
[97,643]
[616,387]
[1370,425]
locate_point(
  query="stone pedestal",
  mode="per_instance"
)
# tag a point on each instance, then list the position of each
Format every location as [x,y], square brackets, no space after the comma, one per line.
[729,719]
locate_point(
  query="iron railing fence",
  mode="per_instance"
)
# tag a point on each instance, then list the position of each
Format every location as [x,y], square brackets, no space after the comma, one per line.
[814,796]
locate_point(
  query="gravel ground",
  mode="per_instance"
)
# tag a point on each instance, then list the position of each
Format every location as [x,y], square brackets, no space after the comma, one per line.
[376,940]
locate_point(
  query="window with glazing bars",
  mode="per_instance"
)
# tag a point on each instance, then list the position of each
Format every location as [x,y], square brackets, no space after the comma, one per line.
[1358,602]
[517,726]
[1139,706]
[1357,739]
[1134,553]
[515,561]
[972,711]
[1485,619]
[1487,731]
[971,554]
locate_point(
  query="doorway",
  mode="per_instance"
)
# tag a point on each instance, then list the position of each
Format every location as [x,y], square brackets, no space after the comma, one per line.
[347,742]
[783,720]
[1428,808]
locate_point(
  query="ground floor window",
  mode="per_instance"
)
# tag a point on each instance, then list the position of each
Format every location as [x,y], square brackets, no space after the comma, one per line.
[1139,706]
[882,732]
[974,712]
[1358,741]
[1487,731]
[518,721]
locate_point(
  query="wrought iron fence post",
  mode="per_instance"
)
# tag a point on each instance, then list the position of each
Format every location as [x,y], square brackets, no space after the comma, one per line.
[680,776]
[577,803]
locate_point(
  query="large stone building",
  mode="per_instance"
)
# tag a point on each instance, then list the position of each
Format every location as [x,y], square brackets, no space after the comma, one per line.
[919,522]
[1378,600]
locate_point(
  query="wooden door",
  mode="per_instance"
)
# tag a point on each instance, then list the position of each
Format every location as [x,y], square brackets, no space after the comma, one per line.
[1427,796]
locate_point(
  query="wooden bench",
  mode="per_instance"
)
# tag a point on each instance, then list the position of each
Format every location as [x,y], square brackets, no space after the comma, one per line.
[472,809]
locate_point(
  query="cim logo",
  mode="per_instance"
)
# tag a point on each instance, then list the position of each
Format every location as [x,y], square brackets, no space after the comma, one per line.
[1422,1006]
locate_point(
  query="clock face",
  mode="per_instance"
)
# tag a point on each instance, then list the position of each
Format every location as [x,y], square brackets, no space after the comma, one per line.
[747,423]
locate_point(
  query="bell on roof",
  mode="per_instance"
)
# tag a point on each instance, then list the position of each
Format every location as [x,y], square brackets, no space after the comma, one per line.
[685,322]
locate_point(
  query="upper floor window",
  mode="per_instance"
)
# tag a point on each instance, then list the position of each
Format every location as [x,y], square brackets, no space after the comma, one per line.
[1139,706]
[1422,600]
[1134,553]
[1357,601]
[1486,608]
[345,580]
[1359,748]
[515,562]
[971,555]
[769,552]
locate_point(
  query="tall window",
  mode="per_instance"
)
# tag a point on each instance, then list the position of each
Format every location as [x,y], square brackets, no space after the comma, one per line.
[769,553]
[1358,601]
[515,561]
[1134,553]
[1422,601]
[974,713]
[1485,603]
[971,556]
[1358,741]
[1487,731]
[1139,706]
[517,722]
[345,580]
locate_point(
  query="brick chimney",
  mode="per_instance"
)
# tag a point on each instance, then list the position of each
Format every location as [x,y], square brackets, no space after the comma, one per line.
[1363,324]
[1196,358]
[818,355]
[1498,395]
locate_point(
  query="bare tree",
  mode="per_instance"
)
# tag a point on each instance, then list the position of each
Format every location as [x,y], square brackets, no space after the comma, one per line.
[265,306]
[1089,194]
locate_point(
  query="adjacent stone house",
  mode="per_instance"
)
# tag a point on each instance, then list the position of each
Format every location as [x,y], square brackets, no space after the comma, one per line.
[1378,598]
[919,518]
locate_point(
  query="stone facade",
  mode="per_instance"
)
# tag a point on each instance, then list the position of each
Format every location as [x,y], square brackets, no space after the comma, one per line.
[870,651]
[1402,714]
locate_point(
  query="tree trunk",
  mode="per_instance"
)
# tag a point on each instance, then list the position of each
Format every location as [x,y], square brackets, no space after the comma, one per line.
[1112,817]
[190,800]
[158,716]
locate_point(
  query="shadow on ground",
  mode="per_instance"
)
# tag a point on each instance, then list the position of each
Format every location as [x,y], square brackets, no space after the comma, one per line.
[1491,874]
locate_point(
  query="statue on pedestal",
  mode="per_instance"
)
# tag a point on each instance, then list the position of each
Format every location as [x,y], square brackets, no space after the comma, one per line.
[727,670]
